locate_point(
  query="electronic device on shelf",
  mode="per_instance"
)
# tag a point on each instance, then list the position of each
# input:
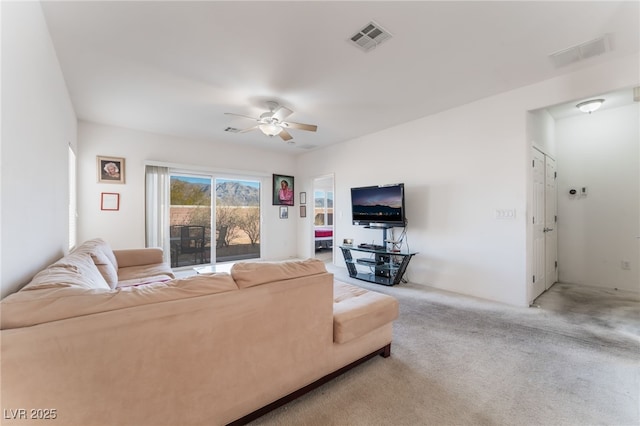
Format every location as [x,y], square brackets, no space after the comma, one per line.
[379,206]
[394,245]
[371,246]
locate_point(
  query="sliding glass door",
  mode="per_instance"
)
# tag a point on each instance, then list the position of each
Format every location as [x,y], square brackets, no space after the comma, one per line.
[213,219]
[190,220]
[237,219]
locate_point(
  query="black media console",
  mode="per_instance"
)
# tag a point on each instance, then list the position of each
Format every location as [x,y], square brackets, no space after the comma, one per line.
[384,267]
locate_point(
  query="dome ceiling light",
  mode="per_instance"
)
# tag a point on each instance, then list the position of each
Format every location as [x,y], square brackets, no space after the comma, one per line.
[590,105]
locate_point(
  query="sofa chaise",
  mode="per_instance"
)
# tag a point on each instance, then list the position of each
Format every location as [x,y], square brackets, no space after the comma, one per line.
[145,348]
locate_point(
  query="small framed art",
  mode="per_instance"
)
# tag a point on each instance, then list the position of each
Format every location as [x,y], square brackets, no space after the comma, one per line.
[110,201]
[303,198]
[284,212]
[110,169]
[303,211]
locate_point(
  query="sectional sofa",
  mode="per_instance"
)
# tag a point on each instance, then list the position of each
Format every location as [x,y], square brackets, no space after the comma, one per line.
[90,342]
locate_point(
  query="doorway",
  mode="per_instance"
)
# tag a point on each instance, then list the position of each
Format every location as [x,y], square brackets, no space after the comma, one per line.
[323,229]
[545,218]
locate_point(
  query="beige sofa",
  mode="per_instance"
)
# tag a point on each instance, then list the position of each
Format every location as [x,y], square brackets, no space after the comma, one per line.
[205,350]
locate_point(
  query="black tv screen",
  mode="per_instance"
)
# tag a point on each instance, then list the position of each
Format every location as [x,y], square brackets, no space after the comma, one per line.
[378,205]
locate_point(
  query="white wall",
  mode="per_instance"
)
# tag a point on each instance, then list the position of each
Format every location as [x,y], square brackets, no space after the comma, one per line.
[600,151]
[541,132]
[126,228]
[38,124]
[459,166]
[455,177]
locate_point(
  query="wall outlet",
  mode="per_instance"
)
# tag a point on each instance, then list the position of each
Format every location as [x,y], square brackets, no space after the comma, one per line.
[625,264]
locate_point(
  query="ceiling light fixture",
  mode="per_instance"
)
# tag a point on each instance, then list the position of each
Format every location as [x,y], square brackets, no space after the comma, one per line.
[590,105]
[270,129]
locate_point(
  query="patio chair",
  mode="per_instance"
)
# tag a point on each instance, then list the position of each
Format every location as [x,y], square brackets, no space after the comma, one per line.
[192,241]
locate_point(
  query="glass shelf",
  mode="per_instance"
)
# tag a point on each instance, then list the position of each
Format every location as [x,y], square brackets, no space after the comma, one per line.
[386,267]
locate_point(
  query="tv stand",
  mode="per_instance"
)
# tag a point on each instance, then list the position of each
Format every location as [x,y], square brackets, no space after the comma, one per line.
[385,267]
[382,226]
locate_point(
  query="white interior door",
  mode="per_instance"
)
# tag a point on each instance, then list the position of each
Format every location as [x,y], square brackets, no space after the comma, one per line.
[550,223]
[538,219]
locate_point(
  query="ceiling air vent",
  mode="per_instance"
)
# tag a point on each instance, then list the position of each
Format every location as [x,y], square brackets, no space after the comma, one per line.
[370,36]
[307,146]
[581,51]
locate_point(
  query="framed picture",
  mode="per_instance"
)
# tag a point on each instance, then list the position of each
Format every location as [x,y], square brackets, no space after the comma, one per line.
[284,212]
[110,169]
[303,198]
[110,201]
[282,190]
[303,211]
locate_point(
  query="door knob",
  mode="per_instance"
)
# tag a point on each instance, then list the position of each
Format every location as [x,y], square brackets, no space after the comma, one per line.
[547,230]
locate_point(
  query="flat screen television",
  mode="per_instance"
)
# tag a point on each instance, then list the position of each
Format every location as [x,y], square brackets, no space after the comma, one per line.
[378,206]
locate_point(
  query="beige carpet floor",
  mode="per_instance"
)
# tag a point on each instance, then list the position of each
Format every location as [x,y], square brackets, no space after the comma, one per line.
[573,359]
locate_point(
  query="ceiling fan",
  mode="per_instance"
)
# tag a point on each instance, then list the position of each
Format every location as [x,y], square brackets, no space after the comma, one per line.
[272,123]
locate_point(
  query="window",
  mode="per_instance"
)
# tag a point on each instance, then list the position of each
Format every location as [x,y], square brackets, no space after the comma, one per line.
[73,215]
[237,219]
[323,208]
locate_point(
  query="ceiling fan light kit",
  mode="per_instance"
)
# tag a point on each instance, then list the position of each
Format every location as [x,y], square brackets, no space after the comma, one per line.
[270,129]
[272,123]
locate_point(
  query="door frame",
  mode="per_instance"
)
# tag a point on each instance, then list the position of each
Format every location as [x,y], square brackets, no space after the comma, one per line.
[551,222]
[311,211]
[541,219]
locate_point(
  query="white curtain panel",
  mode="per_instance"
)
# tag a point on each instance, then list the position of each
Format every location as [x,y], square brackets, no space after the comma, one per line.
[157,209]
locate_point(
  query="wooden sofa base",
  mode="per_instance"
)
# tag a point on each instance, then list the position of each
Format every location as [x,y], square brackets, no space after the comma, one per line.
[385,352]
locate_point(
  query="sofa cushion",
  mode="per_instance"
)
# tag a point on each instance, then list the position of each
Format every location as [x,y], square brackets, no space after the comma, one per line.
[103,257]
[100,247]
[139,256]
[357,311]
[143,281]
[23,309]
[144,273]
[249,274]
[106,268]
[74,270]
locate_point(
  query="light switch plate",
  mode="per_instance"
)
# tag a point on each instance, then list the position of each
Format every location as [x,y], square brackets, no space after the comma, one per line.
[503,214]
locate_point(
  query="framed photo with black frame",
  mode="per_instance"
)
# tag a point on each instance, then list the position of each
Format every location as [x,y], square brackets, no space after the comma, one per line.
[283,190]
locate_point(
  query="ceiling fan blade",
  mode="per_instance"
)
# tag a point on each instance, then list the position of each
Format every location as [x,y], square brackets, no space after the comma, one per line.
[281,113]
[301,126]
[248,130]
[240,115]
[285,135]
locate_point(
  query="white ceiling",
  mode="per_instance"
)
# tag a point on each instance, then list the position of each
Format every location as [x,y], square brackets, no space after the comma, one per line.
[176,67]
